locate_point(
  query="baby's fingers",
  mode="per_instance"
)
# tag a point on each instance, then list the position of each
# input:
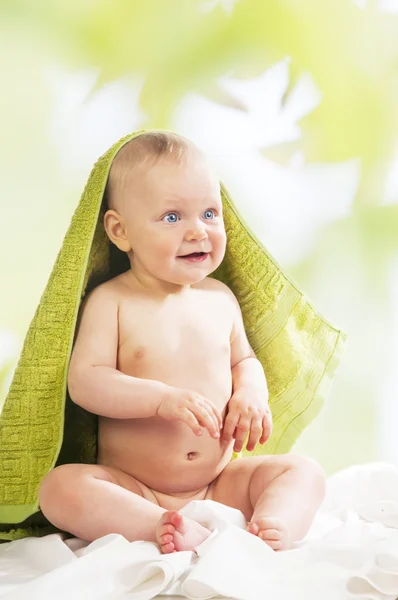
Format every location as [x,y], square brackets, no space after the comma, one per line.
[216,414]
[256,429]
[230,424]
[208,420]
[241,433]
[267,429]
[187,417]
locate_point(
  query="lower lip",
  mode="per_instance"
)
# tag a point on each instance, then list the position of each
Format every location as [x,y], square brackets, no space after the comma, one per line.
[194,259]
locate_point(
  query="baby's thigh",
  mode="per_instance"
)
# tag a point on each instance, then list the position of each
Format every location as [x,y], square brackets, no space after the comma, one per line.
[67,486]
[232,486]
[235,486]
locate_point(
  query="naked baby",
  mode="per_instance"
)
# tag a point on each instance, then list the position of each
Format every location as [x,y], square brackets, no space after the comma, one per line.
[161,356]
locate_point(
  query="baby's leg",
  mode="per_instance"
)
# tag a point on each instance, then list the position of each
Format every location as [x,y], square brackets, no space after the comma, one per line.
[279,495]
[286,493]
[91,501]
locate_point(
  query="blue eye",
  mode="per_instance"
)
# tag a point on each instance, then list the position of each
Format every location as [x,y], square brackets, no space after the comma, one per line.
[174,219]
[209,214]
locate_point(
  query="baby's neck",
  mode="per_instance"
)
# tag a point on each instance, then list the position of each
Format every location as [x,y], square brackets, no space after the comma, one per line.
[154,287]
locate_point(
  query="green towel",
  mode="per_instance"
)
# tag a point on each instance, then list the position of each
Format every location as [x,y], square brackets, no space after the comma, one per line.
[40,426]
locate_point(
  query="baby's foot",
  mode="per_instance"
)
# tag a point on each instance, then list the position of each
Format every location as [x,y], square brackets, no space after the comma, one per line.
[273,531]
[175,533]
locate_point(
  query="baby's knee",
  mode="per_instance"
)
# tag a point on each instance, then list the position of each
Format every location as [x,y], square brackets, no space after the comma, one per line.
[58,490]
[66,490]
[301,468]
[309,470]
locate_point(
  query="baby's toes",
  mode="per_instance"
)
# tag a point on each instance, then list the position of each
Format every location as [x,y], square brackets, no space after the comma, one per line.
[165,539]
[270,535]
[272,531]
[276,545]
[165,529]
[167,548]
[253,528]
[262,524]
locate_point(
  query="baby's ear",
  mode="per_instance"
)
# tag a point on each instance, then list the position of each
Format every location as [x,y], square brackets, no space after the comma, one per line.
[115,230]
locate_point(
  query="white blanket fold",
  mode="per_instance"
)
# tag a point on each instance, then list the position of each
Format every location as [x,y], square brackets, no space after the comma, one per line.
[351,551]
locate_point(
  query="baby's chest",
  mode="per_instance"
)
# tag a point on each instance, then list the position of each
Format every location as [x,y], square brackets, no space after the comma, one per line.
[171,337]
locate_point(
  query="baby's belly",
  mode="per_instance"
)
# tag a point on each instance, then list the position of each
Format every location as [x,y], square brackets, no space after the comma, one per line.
[166,456]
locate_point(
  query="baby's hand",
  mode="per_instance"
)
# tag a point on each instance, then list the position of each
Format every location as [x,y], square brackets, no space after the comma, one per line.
[193,409]
[248,412]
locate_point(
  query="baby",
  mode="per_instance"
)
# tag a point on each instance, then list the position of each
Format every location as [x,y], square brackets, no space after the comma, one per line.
[161,356]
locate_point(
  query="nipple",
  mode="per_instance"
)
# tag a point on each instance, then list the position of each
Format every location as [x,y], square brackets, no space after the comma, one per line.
[139,353]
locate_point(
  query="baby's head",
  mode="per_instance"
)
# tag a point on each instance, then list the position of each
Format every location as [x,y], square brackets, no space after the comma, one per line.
[165,210]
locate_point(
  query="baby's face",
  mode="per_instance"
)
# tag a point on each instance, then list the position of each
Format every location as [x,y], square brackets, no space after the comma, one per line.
[174,221]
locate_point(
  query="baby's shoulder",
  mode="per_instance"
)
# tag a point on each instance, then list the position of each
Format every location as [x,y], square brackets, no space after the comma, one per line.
[106,293]
[118,286]
[216,286]
[212,284]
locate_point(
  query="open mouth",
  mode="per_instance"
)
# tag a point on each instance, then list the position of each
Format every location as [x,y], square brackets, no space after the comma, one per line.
[195,256]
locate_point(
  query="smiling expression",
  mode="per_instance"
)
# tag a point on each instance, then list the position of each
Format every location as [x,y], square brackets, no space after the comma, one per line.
[171,221]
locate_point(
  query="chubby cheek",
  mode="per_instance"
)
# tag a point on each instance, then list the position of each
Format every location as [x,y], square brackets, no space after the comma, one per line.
[219,243]
[163,249]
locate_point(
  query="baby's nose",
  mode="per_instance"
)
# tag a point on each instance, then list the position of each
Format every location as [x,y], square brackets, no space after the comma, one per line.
[197,232]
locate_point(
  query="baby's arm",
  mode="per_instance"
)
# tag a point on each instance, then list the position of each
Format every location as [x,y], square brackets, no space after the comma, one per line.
[248,410]
[93,380]
[95,383]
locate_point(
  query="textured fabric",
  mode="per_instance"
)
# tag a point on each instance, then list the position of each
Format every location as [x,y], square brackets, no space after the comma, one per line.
[40,427]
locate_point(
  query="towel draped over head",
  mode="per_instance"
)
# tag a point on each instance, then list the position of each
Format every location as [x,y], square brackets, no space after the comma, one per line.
[40,427]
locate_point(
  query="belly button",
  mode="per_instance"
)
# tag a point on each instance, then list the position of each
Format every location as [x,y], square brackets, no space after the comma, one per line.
[192,455]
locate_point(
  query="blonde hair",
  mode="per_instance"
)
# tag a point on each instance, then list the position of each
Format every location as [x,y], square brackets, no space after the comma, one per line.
[152,146]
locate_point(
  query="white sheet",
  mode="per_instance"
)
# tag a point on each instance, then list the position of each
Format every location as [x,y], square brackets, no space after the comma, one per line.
[351,551]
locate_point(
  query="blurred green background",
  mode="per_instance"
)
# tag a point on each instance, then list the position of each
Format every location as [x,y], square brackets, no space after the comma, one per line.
[295,101]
